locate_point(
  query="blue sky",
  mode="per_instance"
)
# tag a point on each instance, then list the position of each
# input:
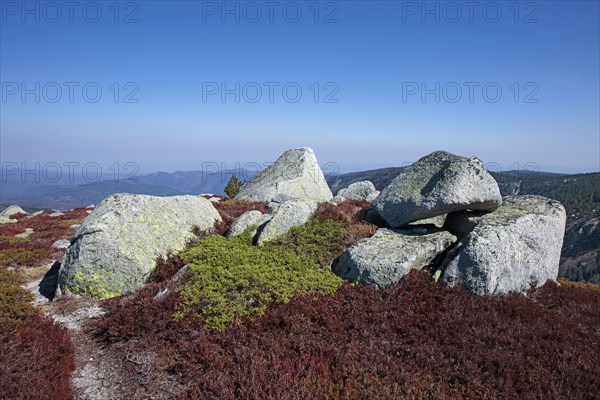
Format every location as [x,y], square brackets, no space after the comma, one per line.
[375,58]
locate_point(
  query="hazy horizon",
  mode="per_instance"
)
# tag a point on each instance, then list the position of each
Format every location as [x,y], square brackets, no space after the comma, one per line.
[169,85]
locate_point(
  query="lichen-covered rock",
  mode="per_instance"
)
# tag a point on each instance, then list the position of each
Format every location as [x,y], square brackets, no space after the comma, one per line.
[296,174]
[511,248]
[6,220]
[437,184]
[12,210]
[245,221]
[289,214]
[363,190]
[387,256]
[115,248]
[461,223]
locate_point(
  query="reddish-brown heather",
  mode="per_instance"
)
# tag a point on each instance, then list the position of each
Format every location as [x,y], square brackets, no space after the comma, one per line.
[36,360]
[415,339]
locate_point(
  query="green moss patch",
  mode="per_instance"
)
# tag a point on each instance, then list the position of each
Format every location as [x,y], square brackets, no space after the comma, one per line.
[19,257]
[231,279]
[15,302]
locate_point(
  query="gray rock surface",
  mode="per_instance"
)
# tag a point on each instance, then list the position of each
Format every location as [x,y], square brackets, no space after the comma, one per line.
[289,214]
[387,256]
[461,223]
[61,244]
[511,248]
[337,199]
[245,221]
[12,210]
[115,248]
[296,174]
[363,190]
[28,232]
[435,185]
[437,221]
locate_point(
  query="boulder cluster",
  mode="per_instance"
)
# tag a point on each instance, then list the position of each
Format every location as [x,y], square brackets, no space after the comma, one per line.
[443,214]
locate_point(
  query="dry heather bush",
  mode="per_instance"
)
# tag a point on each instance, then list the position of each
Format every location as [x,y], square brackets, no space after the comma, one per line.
[231,209]
[414,339]
[36,360]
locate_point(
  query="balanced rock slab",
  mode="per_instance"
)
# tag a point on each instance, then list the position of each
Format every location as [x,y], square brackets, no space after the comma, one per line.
[437,184]
[115,248]
[511,248]
[290,214]
[363,190]
[388,255]
[296,174]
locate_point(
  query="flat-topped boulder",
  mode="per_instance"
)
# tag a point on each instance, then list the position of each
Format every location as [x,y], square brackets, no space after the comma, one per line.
[437,184]
[512,248]
[389,255]
[295,174]
[115,248]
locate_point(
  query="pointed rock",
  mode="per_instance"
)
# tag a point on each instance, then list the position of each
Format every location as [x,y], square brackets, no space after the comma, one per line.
[295,174]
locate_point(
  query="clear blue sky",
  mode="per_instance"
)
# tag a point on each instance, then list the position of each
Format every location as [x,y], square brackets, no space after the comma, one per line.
[376,58]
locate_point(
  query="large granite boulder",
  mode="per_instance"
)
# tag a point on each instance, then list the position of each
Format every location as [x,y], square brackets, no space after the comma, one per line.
[511,248]
[12,210]
[290,214]
[437,184]
[388,255]
[245,221]
[295,174]
[115,248]
[363,190]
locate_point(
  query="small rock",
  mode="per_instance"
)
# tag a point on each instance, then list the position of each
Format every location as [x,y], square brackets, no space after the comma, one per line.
[246,220]
[28,232]
[337,199]
[363,190]
[61,244]
[289,214]
[6,220]
[56,214]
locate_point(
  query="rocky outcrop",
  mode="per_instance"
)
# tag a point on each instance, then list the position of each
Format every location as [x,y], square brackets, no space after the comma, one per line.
[437,184]
[12,210]
[511,248]
[363,190]
[296,174]
[245,221]
[290,214]
[115,248]
[387,256]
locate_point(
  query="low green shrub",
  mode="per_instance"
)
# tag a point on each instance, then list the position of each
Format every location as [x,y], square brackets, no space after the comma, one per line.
[231,279]
[15,302]
[319,240]
[18,257]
